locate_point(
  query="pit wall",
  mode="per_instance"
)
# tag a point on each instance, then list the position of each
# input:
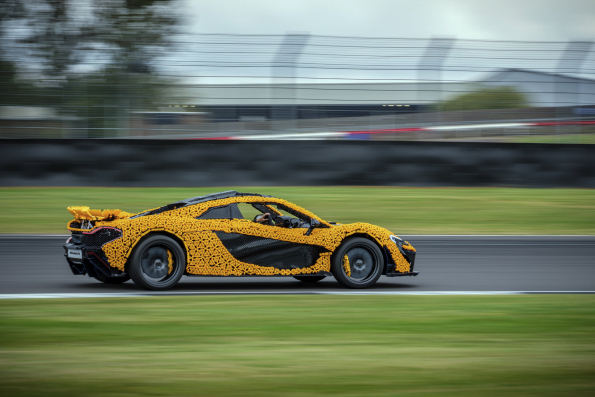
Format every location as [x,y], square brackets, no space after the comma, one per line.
[180,163]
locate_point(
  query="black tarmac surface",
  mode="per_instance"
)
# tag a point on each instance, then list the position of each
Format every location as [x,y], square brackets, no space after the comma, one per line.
[36,265]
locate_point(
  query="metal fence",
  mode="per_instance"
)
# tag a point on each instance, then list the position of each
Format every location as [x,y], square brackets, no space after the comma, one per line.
[301,86]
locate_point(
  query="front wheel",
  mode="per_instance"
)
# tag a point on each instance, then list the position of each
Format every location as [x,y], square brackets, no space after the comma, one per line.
[357,263]
[157,263]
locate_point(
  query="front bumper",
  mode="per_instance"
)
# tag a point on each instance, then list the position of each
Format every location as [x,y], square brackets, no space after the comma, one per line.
[409,256]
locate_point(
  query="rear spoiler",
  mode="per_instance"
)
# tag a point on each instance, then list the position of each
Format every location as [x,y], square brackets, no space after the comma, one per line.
[85,213]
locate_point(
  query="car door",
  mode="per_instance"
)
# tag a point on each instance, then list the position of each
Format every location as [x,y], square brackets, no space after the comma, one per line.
[267,245]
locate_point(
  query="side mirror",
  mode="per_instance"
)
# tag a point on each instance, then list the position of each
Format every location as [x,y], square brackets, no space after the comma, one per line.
[313,223]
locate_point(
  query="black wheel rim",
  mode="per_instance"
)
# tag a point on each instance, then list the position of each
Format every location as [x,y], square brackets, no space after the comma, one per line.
[158,264]
[362,265]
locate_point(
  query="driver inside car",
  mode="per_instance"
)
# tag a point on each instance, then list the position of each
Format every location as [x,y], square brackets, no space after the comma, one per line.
[263,218]
[281,221]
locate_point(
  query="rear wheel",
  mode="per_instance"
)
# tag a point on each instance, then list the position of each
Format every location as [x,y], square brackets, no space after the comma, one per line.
[157,263]
[309,279]
[357,263]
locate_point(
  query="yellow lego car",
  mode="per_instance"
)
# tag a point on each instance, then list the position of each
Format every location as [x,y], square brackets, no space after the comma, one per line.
[230,234]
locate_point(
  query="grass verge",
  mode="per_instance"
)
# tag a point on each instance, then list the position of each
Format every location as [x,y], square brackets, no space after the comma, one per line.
[556,138]
[401,210]
[299,346]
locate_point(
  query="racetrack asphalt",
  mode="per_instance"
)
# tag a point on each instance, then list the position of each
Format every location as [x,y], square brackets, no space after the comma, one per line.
[36,265]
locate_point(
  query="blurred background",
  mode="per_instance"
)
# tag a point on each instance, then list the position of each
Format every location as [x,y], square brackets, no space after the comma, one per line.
[458,120]
[156,69]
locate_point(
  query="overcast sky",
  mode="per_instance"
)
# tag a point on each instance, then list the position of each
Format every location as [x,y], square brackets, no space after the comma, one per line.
[540,20]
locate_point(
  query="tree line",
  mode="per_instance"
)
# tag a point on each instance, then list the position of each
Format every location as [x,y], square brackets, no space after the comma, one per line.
[92,60]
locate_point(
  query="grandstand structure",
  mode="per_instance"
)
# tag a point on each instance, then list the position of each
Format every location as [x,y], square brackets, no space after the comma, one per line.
[260,102]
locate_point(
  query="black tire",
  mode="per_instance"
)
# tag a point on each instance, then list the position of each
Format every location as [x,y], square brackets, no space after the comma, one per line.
[113,280]
[149,265]
[309,279]
[365,263]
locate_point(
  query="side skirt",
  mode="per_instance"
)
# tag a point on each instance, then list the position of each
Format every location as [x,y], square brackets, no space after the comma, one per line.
[326,274]
[402,274]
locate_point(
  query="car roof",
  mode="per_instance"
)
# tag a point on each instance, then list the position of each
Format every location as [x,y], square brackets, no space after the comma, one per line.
[198,200]
[216,196]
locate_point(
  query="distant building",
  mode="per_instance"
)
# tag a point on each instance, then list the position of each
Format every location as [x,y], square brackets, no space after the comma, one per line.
[259,102]
[545,89]
[33,121]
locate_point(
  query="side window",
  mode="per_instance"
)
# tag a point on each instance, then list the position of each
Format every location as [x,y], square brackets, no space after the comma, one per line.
[224,212]
[289,217]
[288,212]
[248,211]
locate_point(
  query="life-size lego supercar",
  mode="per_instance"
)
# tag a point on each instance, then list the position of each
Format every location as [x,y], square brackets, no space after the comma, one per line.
[211,236]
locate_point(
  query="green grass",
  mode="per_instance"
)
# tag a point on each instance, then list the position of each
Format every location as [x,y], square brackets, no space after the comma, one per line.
[542,345]
[552,138]
[401,210]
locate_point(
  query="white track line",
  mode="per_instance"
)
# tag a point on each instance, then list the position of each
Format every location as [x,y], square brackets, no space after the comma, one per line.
[295,136]
[478,126]
[205,293]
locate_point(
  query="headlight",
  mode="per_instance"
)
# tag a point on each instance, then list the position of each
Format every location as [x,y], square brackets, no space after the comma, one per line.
[396,240]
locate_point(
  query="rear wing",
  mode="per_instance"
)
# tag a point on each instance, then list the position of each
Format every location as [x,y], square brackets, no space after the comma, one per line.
[84,213]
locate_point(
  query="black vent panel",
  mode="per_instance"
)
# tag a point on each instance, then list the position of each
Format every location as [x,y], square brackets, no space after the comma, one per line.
[100,237]
[268,252]
[77,237]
